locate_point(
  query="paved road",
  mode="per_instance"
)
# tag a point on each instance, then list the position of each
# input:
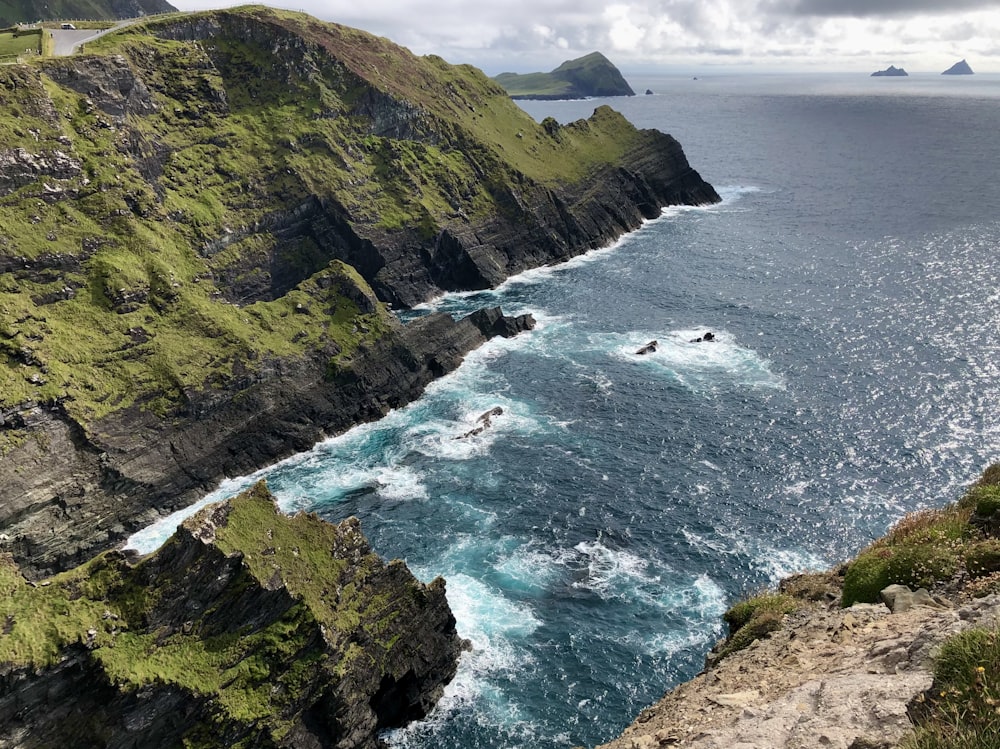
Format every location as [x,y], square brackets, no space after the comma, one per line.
[67,41]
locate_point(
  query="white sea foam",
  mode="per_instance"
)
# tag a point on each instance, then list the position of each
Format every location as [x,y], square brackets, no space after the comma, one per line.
[697,366]
[494,625]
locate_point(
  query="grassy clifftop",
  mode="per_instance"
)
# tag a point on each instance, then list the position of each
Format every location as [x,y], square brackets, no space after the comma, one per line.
[172,200]
[247,628]
[28,11]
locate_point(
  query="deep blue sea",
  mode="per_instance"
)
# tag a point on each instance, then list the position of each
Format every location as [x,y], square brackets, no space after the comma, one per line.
[593,536]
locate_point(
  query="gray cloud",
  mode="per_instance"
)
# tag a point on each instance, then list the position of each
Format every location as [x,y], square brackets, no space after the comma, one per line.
[525,35]
[879,8]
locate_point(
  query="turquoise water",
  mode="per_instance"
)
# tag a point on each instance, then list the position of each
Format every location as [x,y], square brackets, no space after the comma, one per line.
[593,535]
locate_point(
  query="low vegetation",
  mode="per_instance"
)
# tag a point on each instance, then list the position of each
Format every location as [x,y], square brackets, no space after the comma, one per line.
[15,43]
[934,546]
[754,618]
[961,710]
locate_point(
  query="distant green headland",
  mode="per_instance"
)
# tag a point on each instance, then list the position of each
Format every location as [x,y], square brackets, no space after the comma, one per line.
[590,75]
[27,11]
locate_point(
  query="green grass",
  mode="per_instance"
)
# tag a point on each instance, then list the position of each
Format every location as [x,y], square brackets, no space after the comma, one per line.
[14,43]
[930,547]
[961,710]
[756,617]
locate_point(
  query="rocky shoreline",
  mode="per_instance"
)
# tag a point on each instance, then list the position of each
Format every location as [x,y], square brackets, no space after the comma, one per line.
[71,492]
[799,670]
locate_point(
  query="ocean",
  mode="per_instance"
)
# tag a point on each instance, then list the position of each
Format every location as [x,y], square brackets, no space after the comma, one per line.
[593,535]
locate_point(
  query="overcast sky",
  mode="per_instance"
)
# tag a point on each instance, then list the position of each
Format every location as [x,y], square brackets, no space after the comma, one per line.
[679,35]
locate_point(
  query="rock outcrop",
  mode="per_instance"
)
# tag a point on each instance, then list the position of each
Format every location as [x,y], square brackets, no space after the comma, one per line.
[890,71]
[247,628]
[831,677]
[959,68]
[800,669]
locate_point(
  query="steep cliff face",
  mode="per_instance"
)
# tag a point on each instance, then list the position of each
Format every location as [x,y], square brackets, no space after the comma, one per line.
[247,628]
[202,221]
[70,492]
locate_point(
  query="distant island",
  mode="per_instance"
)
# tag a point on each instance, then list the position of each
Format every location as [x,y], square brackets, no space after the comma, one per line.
[959,68]
[590,75]
[892,70]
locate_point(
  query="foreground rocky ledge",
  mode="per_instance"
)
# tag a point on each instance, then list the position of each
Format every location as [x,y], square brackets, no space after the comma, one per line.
[831,677]
[900,667]
[247,628]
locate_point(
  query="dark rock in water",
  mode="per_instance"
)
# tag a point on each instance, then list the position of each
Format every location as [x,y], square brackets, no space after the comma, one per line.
[485,421]
[890,71]
[493,322]
[247,628]
[708,337]
[648,348]
[649,92]
[959,68]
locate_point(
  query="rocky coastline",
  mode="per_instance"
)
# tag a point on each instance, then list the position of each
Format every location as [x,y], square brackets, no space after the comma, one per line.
[205,223]
[247,628]
[799,669]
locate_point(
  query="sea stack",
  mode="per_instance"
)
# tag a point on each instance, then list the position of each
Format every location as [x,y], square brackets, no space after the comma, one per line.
[891,71]
[959,68]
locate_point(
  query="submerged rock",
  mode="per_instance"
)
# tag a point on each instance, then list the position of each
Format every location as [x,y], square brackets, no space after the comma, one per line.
[246,628]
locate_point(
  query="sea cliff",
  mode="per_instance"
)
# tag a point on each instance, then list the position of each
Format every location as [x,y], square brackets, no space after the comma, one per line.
[247,628]
[206,218]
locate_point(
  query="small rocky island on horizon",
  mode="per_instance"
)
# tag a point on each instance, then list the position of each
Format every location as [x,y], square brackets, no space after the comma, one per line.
[891,71]
[590,75]
[959,68]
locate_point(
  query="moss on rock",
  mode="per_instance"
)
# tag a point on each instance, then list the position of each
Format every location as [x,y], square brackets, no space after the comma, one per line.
[257,622]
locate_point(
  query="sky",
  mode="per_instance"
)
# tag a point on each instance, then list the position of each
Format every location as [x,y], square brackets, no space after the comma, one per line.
[679,35]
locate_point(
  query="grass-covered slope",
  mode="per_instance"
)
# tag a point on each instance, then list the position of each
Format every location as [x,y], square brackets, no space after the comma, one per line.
[170,203]
[29,11]
[590,75]
[248,628]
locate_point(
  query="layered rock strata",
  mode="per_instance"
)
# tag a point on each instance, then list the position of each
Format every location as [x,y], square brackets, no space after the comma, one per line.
[247,628]
[831,677]
[70,492]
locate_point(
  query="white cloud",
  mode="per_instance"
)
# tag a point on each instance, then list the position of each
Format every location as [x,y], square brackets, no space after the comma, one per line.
[523,35]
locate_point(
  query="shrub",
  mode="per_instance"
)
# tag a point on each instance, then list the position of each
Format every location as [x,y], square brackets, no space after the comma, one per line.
[866,576]
[983,558]
[921,549]
[986,499]
[754,618]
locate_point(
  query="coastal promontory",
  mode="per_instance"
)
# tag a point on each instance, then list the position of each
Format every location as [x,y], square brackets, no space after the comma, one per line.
[205,220]
[590,75]
[959,68]
[247,628]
